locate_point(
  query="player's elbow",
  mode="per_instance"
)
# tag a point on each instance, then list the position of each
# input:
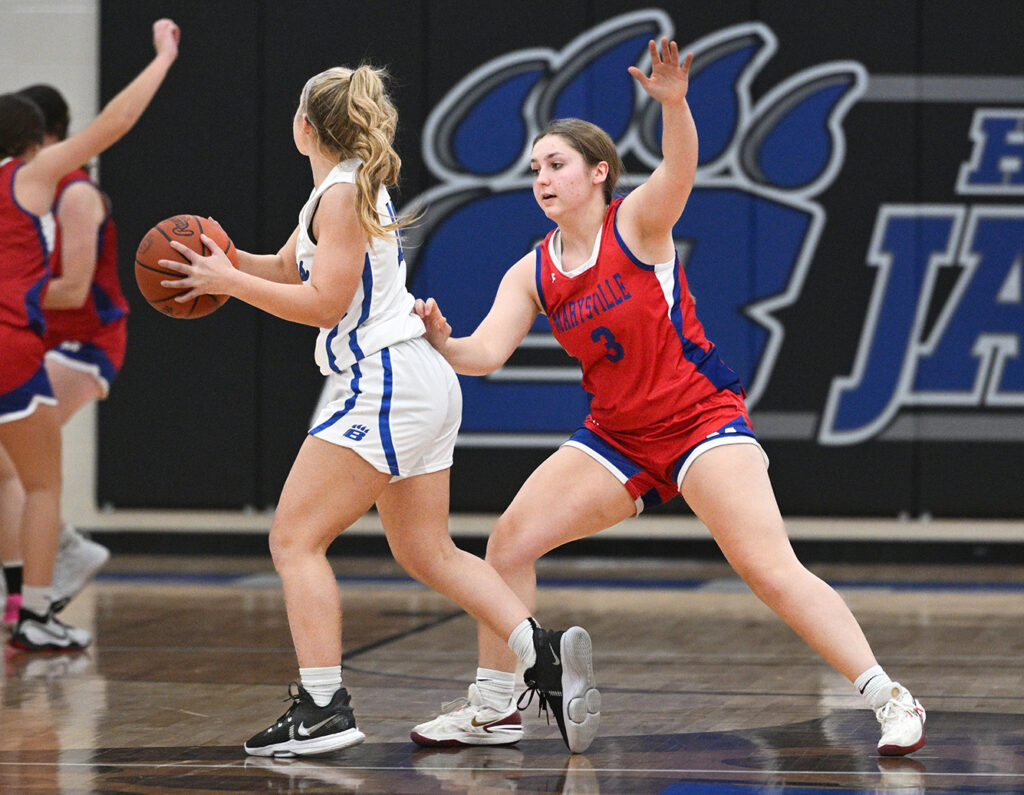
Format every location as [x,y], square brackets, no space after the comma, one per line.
[484,361]
[327,316]
[77,296]
[119,117]
[70,294]
[327,320]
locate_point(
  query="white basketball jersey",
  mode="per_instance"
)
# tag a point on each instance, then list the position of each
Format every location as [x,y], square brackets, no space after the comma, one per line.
[381,310]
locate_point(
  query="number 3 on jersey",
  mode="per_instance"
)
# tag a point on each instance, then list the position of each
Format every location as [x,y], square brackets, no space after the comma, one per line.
[604,334]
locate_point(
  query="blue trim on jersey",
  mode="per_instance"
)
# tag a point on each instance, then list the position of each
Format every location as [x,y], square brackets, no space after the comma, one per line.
[349,404]
[385,412]
[540,282]
[675,314]
[353,343]
[21,397]
[33,297]
[708,363]
[622,243]
[332,360]
[393,215]
[737,427]
[106,310]
[34,304]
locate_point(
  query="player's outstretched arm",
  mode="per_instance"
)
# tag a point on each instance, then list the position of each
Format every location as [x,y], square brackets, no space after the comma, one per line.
[35,188]
[512,314]
[653,208]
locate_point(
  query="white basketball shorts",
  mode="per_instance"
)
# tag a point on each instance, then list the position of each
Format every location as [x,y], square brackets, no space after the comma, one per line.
[399,409]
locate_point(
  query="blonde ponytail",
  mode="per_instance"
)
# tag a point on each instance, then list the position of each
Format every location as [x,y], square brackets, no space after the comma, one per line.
[353,117]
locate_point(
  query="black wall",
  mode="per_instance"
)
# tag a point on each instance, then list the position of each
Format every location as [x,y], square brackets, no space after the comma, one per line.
[209,413]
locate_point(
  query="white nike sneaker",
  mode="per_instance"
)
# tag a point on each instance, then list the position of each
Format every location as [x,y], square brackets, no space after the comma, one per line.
[467,721]
[902,718]
[78,560]
[47,633]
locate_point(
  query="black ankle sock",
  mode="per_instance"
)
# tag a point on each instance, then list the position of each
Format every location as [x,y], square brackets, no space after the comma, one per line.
[12,574]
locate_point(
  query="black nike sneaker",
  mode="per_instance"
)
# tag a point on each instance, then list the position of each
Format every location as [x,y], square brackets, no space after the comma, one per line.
[563,678]
[306,729]
[35,632]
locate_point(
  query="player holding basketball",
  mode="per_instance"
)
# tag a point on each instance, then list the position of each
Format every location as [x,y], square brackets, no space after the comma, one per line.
[29,418]
[666,415]
[86,325]
[387,432]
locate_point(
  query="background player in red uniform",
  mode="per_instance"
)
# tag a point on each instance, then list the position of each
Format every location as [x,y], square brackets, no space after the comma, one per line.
[86,319]
[29,421]
[666,414]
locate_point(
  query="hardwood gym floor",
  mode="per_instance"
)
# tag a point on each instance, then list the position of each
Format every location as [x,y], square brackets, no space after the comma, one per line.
[704,689]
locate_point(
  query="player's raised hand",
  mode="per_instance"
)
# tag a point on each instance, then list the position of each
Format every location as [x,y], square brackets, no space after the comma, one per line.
[669,80]
[166,36]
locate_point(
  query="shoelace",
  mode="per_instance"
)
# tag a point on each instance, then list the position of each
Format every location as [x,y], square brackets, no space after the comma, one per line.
[542,701]
[453,706]
[892,709]
[295,697]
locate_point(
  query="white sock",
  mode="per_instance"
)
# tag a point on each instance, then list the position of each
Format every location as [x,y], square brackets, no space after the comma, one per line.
[521,642]
[496,688]
[321,683]
[36,598]
[875,685]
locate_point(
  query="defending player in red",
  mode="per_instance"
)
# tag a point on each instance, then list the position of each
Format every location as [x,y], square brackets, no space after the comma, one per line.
[667,416]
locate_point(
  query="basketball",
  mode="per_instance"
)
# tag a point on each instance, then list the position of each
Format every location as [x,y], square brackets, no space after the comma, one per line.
[156,246]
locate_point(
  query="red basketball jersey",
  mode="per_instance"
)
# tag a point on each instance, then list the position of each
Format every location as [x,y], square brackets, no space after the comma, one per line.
[105,302]
[24,260]
[633,328]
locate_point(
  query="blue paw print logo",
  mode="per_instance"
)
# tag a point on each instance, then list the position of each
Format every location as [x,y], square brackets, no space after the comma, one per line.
[747,236]
[356,432]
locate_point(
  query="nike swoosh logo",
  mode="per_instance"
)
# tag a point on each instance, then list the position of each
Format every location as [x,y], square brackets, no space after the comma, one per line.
[557,661]
[303,731]
[493,726]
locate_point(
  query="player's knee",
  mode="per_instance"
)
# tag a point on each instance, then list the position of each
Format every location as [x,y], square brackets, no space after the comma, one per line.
[408,561]
[426,568]
[773,583]
[286,546]
[508,547]
[765,582]
[9,480]
[278,547]
[42,485]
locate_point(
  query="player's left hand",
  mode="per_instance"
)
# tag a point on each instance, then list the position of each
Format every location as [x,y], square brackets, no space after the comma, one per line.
[669,80]
[211,274]
[437,327]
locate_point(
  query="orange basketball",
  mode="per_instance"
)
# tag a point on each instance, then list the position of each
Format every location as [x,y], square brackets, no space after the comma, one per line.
[155,246]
